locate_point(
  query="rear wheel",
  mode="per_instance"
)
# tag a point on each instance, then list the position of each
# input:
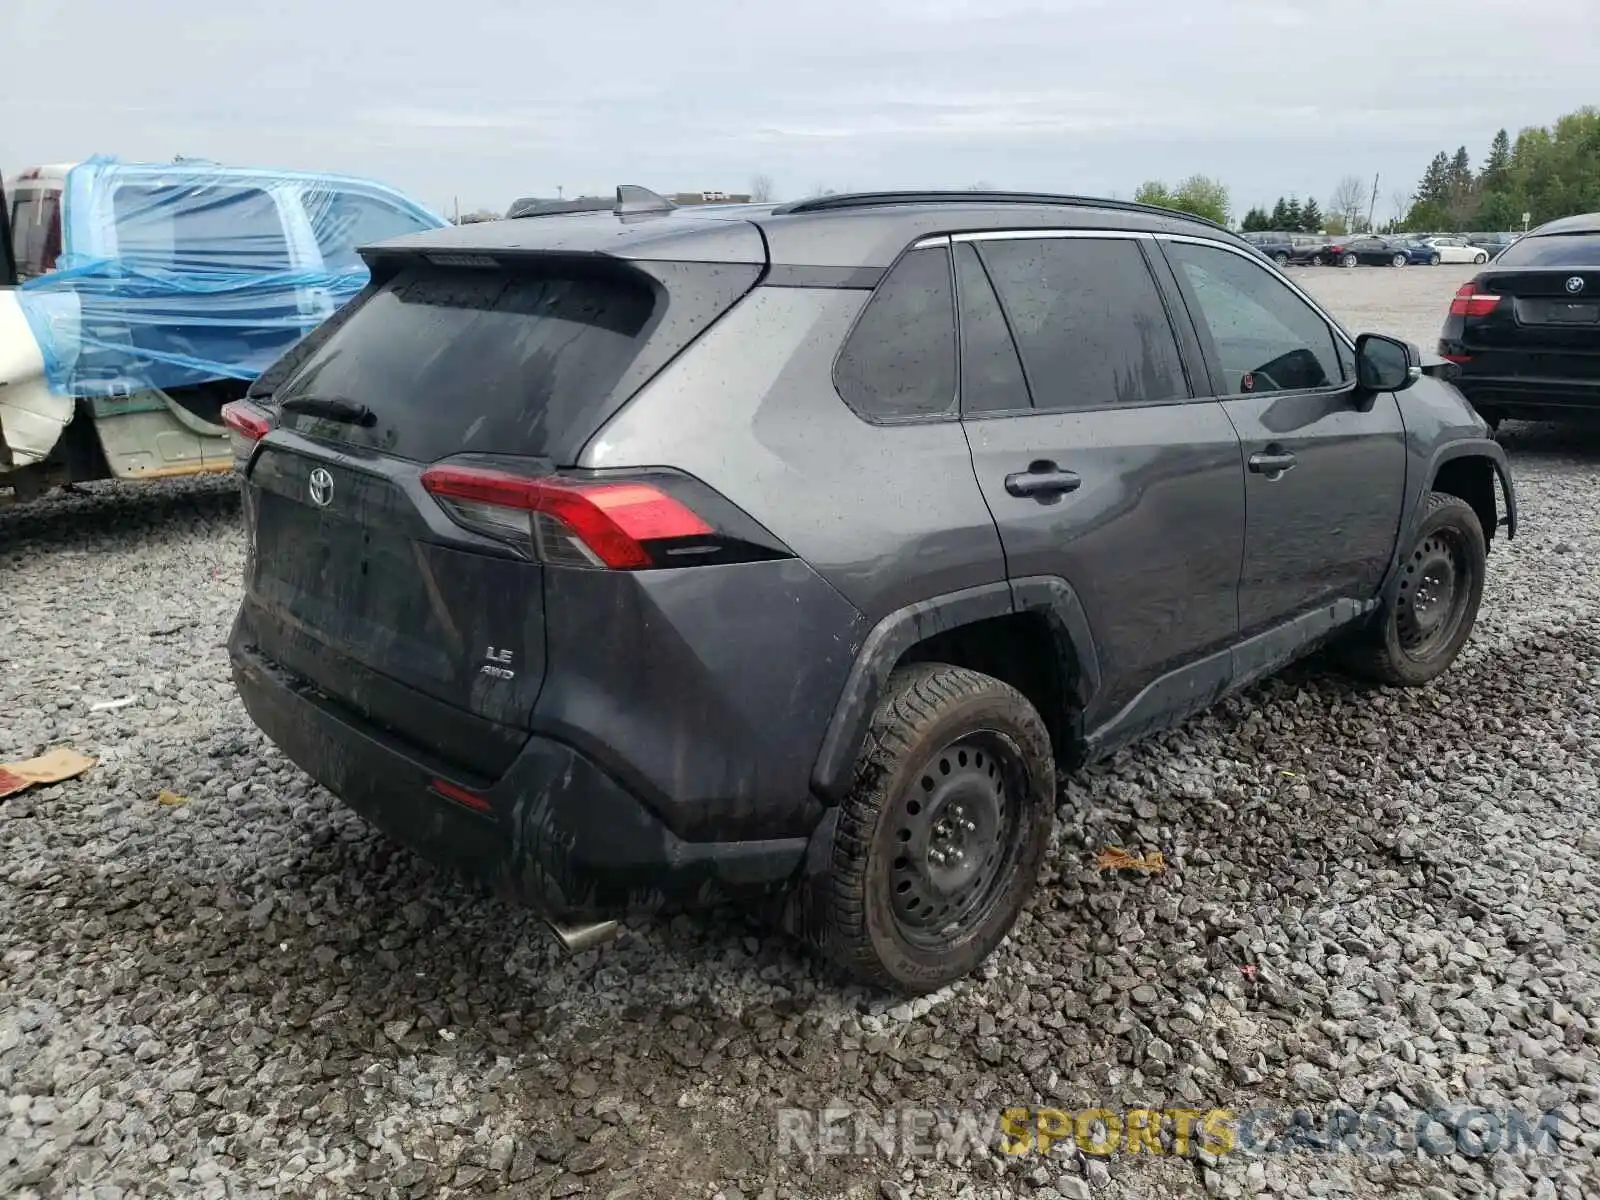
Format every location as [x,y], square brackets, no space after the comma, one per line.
[1399,260]
[1423,626]
[1316,260]
[1348,260]
[1480,257]
[1281,259]
[1433,260]
[941,837]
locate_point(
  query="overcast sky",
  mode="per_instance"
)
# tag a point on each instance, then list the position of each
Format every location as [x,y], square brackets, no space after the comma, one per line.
[486,100]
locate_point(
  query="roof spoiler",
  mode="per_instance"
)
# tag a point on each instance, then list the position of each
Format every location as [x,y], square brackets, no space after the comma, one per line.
[8,253]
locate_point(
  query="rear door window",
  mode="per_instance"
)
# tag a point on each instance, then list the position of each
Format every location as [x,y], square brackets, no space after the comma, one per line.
[1088,320]
[188,229]
[899,362]
[991,372]
[344,221]
[453,360]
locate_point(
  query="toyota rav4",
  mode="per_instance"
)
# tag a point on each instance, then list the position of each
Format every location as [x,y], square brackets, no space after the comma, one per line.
[783,555]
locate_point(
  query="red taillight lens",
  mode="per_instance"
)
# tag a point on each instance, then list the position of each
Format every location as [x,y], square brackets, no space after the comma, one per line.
[1456,358]
[246,420]
[566,522]
[1470,302]
[460,795]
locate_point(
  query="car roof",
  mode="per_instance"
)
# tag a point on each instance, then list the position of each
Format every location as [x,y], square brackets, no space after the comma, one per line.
[862,230]
[1578,223]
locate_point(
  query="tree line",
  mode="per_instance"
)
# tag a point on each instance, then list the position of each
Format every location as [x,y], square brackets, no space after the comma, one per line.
[1547,172]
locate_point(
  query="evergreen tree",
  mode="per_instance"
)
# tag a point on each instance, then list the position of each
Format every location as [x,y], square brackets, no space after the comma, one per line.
[1255,221]
[1460,172]
[1499,160]
[1280,214]
[1311,216]
[1291,215]
[1435,186]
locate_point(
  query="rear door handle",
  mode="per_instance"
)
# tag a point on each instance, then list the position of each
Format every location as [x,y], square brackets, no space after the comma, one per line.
[1272,462]
[1043,478]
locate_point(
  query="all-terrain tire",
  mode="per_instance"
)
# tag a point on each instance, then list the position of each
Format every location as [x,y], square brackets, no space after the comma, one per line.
[1393,649]
[934,718]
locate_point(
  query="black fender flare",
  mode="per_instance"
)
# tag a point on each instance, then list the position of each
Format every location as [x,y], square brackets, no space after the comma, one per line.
[1481,447]
[888,640]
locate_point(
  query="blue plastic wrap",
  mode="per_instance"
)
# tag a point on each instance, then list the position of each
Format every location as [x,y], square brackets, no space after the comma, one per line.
[182,273]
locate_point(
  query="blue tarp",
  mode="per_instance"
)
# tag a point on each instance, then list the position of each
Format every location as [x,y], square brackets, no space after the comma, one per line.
[181,273]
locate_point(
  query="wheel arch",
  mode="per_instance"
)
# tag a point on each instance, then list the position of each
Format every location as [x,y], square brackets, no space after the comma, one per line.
[1469,469]
[1030,633]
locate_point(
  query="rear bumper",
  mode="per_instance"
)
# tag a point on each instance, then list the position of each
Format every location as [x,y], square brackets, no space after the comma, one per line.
[1512,394]
[560,834]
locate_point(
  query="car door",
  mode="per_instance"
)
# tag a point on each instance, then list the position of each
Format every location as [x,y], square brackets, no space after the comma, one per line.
[1097,461]
[1325,464]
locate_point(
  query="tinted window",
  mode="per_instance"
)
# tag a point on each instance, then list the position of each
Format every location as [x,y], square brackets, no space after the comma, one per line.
[36,232]
[1263,335]
[345,221]
[991,372]
[1552,250]
[453,360]
[900,359]
[191,229]
[1088,321]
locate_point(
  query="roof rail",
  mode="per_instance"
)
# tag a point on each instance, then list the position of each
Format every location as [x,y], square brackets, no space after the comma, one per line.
[849,200]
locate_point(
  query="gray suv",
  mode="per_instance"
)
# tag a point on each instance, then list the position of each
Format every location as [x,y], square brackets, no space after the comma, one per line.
[783,555]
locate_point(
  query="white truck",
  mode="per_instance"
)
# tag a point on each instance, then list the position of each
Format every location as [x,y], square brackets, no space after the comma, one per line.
[139,298]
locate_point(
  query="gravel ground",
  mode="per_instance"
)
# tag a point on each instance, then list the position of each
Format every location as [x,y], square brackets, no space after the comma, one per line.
[1384,899]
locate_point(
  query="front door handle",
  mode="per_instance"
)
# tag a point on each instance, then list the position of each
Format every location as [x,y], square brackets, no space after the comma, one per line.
[1043,478]
[1272,462]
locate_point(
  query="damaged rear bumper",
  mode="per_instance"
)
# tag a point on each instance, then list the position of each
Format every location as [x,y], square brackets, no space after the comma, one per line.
[554,831]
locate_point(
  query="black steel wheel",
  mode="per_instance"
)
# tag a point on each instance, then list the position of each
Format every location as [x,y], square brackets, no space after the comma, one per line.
[956,829]
[940,840]
[1432,603]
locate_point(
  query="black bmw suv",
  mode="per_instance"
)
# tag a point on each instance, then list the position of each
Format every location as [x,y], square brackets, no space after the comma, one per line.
[1525,331]
[656,557]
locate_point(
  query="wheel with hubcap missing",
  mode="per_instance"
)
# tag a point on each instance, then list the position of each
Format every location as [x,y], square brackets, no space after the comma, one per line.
[940,840]
[1433,603]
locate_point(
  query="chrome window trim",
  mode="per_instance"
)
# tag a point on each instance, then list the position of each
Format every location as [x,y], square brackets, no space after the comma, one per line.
[1019,235]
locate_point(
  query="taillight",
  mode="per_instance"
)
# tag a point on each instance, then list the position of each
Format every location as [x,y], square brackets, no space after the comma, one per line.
[1457,358]
[247,424]
[1470,302]
[610,524]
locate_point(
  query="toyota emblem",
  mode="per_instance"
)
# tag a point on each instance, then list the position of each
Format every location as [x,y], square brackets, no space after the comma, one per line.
[1575,285]
[321,487]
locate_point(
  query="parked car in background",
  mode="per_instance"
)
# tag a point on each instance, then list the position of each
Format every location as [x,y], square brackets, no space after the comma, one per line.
[1493,244]
[524,589]
[1418,251]
[1455,248]
[1279,247]
[1525,332]
[1368,250]
[153,293]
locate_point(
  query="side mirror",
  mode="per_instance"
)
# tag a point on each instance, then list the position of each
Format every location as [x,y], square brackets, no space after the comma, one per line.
[1386,364]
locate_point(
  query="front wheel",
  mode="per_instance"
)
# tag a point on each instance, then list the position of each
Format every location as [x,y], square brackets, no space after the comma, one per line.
[1399,260]
[940,840]
[1316,260]
[1480,258]
[1348,260]
[1433,260]
[1429,617]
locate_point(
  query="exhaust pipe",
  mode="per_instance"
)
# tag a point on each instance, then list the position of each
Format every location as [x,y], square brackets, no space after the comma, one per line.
[578,938]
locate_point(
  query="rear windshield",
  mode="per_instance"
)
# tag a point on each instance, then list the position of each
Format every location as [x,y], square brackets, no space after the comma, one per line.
[1553,250]
[453,360]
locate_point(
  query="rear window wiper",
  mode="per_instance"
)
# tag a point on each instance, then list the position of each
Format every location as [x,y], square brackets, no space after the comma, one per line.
[331,408]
